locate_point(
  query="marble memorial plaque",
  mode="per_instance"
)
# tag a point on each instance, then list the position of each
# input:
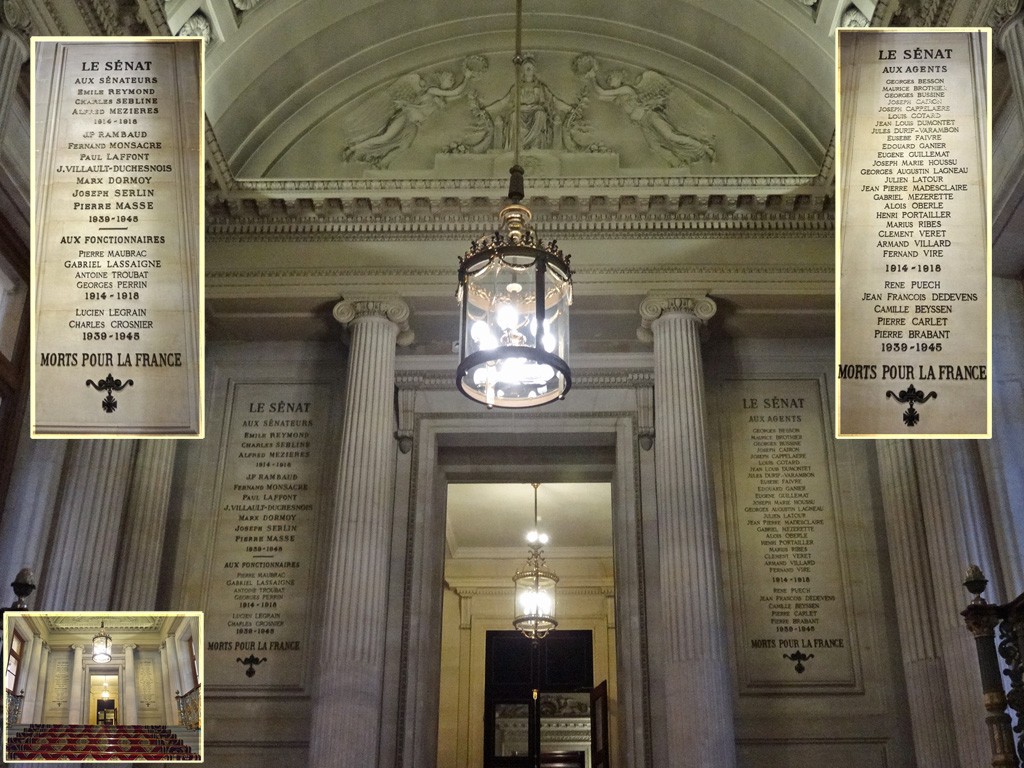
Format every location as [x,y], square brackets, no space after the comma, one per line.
[117,322]
[913,346]
[794,627]
[260,578]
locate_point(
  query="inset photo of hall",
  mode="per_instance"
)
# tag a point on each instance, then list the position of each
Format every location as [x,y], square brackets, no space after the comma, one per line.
[102,686]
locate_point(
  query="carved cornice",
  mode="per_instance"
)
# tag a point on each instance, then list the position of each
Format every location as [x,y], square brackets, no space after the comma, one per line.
[593,378]
[712,213]
[389,307]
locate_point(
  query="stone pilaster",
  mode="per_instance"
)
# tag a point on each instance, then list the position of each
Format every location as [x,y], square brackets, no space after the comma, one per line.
[44,662]
[75,694]
[174,679]
[142,543]
[28,513]
[1008,24]
[31,676]
[1002,457]
[928,695]
[350,668]
[13,55]
[957,528]
[696,662]
[130,707]
[79,569]
[170,703]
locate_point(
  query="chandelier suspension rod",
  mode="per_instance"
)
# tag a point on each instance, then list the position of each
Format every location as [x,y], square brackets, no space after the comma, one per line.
[535,487]
[516,191]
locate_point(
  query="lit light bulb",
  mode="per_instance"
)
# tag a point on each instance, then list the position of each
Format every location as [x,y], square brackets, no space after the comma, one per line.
[480,332]
[535,603]
[507,317]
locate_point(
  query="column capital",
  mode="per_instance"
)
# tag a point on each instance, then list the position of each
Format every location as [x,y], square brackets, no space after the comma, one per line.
[130,646]
[697,306]
[1004,14]
[392,308]
[16,17]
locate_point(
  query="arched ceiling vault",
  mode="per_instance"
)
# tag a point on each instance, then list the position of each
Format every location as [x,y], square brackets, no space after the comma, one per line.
[287,67]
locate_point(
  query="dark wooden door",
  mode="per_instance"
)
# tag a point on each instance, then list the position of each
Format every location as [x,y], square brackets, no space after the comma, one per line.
[599,726]
[563,662]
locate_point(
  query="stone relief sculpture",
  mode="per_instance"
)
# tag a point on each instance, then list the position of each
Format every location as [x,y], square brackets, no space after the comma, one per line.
[653,122]
[546,121]
[414,100]
[644,102]
[197,25]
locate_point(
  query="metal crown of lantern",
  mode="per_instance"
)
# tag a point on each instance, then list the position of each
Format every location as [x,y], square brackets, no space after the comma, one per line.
[101,646]
[515,292]
[535,587]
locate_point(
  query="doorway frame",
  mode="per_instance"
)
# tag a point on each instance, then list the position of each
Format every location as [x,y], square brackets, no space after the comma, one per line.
[412,673]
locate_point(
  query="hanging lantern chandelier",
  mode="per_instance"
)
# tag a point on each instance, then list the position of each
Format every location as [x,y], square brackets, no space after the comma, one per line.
[101,645]
[515,292]
[535,587]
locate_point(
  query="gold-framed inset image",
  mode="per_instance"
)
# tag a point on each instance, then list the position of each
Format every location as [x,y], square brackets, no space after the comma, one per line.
[913,243]
[117,331]
[84,686]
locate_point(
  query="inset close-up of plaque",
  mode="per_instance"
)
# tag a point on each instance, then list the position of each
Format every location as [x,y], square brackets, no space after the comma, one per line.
[117,245]
[913,253]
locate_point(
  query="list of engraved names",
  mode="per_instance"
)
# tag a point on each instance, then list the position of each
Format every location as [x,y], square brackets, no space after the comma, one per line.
[117,300]
[790,571]
[914,287]
[261,575]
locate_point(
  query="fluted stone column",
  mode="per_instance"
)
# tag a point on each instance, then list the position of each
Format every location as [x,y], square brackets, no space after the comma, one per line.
[79,568]
[142,543]
[957,529]
[75,694]
[927,692]
[350,667]
[698,684]
[31,672]
[170,703]
[130,713]
[1002,457]
[13,55]
[44,662]
[1010,38]
[29,510]
[174,676]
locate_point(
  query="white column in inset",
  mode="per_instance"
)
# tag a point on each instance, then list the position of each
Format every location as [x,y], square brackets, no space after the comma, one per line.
[130,713]
[75,694]
[44,661]
[34,646]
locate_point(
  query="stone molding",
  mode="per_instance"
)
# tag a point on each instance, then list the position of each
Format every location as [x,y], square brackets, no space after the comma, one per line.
[391,308]
[581,379]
